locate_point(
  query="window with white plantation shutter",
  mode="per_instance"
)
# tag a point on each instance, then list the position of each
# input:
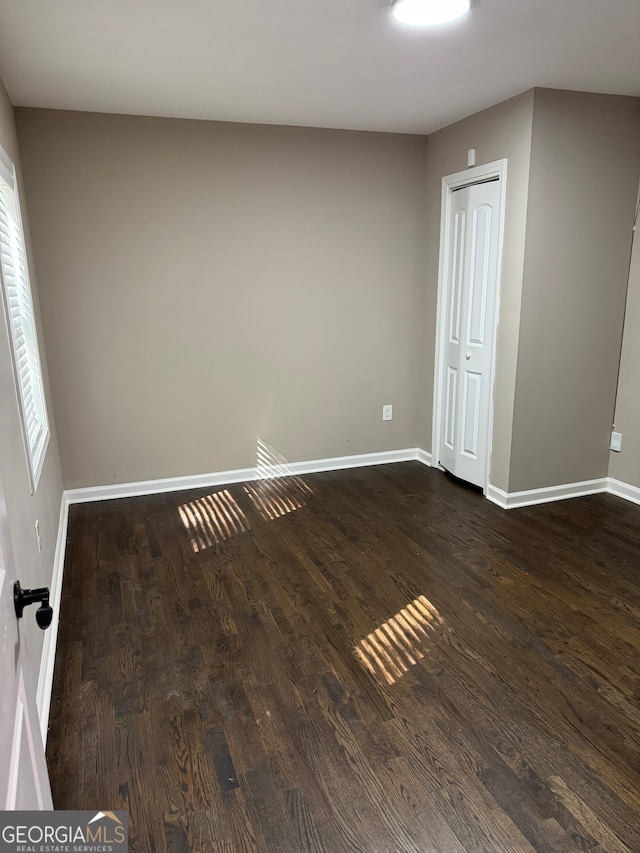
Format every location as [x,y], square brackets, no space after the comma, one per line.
[18,305]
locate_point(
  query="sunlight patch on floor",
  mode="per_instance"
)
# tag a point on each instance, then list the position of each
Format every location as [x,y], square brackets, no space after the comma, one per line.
[400,642]
[212,519]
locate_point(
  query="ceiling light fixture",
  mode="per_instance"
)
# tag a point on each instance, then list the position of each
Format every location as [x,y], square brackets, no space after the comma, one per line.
[428,13]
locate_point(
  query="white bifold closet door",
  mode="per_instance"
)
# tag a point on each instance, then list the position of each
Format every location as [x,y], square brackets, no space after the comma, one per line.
[471,288]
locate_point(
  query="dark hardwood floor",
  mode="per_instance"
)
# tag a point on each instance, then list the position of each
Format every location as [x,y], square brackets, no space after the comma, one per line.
[365,660]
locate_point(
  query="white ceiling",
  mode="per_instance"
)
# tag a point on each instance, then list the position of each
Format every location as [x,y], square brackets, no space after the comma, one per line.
[322,63]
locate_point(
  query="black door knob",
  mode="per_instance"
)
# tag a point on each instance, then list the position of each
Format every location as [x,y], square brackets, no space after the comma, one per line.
[24,597]
[44,615]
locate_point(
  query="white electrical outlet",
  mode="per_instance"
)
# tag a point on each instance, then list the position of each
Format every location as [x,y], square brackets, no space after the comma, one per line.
[38,537]
[616,441]
[387,413]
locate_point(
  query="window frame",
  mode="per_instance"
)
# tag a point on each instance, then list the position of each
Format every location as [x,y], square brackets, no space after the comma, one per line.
[25,319]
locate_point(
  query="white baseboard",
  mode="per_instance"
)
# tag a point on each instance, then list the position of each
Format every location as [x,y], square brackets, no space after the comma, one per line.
[152,487]
[48,659]
[423,456]
[242,475]
[338,463]
[530,497]
[497,496]
[511,500]
[624,490]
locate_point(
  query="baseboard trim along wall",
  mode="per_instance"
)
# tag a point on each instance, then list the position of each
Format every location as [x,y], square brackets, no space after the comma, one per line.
[423,456]
[530,497]
[243,475]
[624,490]
[48,659]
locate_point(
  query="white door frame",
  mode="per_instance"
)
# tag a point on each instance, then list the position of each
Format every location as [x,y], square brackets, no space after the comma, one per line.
[497,168]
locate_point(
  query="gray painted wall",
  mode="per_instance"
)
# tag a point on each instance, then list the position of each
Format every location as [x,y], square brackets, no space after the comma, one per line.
[585,162]
[625,466]
[33,569]
[205,284]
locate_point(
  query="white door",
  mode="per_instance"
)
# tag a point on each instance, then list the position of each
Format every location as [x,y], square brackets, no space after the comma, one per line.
[24,783]
[470,294]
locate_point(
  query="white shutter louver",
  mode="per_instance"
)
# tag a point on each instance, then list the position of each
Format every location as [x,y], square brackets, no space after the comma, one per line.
[21,324]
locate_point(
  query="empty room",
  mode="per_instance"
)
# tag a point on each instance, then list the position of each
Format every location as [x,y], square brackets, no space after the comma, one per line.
[320,425]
